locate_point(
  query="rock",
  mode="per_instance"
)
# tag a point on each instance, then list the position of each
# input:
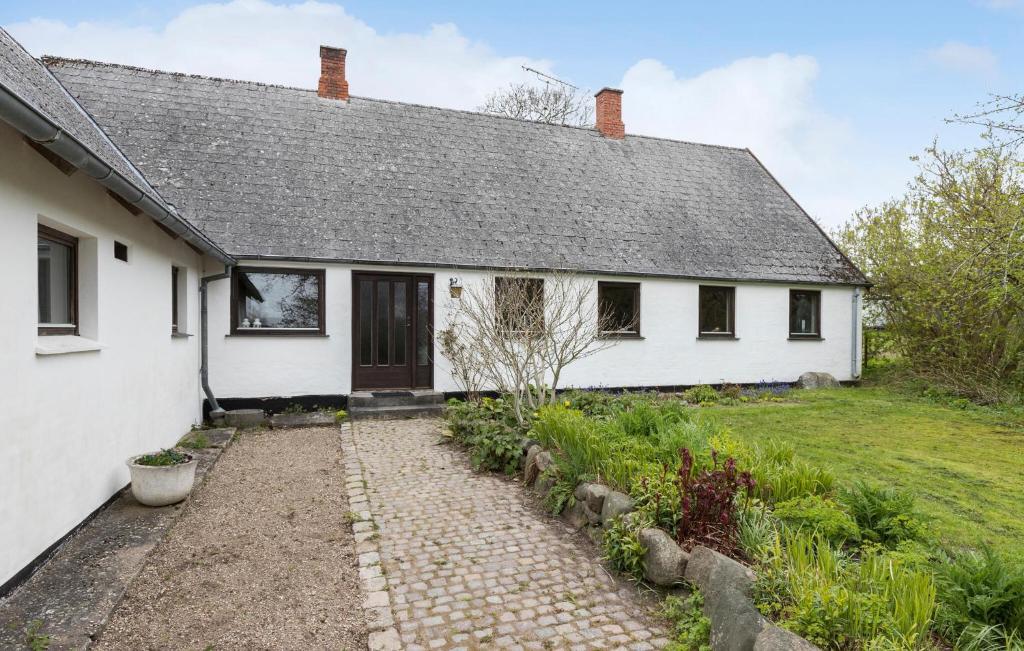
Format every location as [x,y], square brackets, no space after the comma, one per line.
[735,621]
[664,561]
[245,418]
[593,495]
[592,516]
[542,461]
[615,504]
[543,485]
[530,466]
[576,515]
[773,638]
[818,380]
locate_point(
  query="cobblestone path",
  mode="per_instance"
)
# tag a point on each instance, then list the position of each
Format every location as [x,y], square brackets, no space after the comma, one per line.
[463,562]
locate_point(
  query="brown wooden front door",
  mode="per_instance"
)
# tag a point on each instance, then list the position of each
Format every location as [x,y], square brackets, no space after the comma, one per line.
[392,331]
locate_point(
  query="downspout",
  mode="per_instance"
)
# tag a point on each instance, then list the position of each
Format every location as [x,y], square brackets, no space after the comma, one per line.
[854,336]
[216,413]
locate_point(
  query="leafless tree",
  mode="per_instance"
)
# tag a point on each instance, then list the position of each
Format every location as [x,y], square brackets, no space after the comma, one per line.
[1002,116]
[517,334]
[548,100]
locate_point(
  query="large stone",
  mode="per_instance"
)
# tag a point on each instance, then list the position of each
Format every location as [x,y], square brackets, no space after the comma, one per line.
[664,561]
[616,504]
[773,638]
[543,461]
[576,515]
[543,485]
[818,380]
[735,621]
[530,465]
[593,495]
[714,572]
[245,418]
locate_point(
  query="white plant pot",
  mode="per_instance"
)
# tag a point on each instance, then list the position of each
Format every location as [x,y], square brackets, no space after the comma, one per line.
[162,485]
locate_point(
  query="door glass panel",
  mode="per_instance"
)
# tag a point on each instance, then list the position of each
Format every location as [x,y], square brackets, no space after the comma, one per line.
[422,323]
[401,332]
[365,322]
[383,307]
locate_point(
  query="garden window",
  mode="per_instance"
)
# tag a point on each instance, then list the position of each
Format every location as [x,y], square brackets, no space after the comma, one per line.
[58,282]
[519,304]
[804,314]
[717,311]
[277,301]
[619,309]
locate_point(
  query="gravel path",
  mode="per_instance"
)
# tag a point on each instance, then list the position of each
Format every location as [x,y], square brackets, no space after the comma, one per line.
[262,558]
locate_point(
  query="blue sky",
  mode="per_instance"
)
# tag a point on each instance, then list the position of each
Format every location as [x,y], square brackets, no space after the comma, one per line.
[834,97]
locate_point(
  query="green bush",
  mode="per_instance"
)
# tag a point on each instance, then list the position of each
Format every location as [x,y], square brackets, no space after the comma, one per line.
[701,394]
[780,476]
[340,416]
[691,629]
[622,549]
[981,600]
[758,531]
[815,514]
[885,515]
[490,431]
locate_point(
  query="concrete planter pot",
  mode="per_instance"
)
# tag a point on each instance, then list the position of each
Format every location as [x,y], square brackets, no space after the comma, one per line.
[162,485]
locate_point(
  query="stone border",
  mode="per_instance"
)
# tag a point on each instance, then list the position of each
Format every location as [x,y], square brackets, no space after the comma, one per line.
[372,581]
[727,585]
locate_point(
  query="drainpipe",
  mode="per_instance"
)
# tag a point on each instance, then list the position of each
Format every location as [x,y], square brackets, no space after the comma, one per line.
[216,413]
[854,338]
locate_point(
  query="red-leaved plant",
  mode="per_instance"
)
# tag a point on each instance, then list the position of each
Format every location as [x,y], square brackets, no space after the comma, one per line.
[707,501]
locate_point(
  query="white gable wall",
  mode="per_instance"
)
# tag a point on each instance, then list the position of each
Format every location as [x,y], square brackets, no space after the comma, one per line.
[69,421]
[669,353]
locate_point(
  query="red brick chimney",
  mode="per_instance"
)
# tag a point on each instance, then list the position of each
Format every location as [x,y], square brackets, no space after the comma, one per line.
[332,73]
[609,113]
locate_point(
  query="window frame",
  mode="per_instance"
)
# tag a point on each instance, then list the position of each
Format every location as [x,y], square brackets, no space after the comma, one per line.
[621,334]
[801,336]
[59,237]
[320,331]
[175,271]
[730,315]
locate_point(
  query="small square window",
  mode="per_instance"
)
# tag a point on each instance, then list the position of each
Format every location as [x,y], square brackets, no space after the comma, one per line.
[121,251]
[804,314]
[618,309]
[57,269]
[717,311]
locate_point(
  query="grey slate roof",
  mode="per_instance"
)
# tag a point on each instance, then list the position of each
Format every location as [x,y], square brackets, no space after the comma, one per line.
[271,171]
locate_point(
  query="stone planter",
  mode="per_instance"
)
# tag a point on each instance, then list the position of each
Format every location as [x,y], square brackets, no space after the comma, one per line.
[162,485]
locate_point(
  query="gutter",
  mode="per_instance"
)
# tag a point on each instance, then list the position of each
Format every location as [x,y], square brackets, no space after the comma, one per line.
[216,413]
[38,127]
[854,338]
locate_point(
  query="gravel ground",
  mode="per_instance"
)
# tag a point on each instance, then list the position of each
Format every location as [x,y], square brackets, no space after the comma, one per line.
[262,558]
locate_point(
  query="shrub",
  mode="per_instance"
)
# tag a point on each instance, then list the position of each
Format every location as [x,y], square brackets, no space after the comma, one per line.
[691,629]
[656,499]
[884,515]
[981,599]
[622,549]
[340,416]
[816,514]
[707,500]
[163,458]
[700,394]
[490,431]
[780,477]
[733,391]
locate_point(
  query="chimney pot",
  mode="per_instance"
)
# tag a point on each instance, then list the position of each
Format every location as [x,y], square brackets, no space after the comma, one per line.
[333,84]
[609,113]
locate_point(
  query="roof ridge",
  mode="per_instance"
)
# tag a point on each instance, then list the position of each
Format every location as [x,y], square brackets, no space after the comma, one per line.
[58,60]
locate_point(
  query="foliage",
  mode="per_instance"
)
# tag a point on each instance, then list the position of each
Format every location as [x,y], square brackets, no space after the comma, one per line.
[490,430]
[707,502]
[340,416]
[701,394]
[884,515]
[294,408]
[166,457]
[34,639]
[691,629]
[779,476]
[981,599]
[622,549]
[758,531]
[947,263]
[196,440]
[822,594]
[815,514]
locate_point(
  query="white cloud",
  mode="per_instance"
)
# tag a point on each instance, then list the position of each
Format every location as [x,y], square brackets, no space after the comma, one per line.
[964,58]
[259,41]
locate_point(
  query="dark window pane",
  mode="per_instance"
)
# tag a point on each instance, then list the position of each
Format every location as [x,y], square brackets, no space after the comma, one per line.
[174,299]
[401,331]
[715,310]
[803,312]
[365,322]
[56,282]
[278,300]
[423,323]
[383,306]
[120,251]
[519,303]
[619,308]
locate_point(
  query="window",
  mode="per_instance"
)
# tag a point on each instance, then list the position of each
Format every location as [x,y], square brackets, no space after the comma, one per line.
[174,300]
[277,301]
[519,303]
[619,309]
[58,282]
[804,314]
[121,251]
[717,312]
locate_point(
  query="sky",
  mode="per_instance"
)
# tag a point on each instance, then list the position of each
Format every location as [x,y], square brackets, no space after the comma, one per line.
[834,97]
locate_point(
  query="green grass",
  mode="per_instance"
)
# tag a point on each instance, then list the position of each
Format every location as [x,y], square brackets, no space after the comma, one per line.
[966,466]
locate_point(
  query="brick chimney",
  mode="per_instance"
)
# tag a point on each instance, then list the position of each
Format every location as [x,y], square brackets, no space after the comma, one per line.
[609,113]
[332,73]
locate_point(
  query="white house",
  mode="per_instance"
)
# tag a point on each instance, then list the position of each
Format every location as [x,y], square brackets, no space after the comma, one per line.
[329,229]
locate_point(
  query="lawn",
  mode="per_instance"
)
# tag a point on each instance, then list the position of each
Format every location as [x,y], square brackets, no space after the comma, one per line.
[966,466]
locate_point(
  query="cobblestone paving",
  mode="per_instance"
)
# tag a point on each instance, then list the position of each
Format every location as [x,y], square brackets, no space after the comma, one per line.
[469,565]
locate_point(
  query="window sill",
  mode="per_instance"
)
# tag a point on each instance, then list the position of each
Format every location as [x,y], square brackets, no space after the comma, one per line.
[620,335]
[277,333]
[65,345]
[807,338]
[717,338]
[180,335]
